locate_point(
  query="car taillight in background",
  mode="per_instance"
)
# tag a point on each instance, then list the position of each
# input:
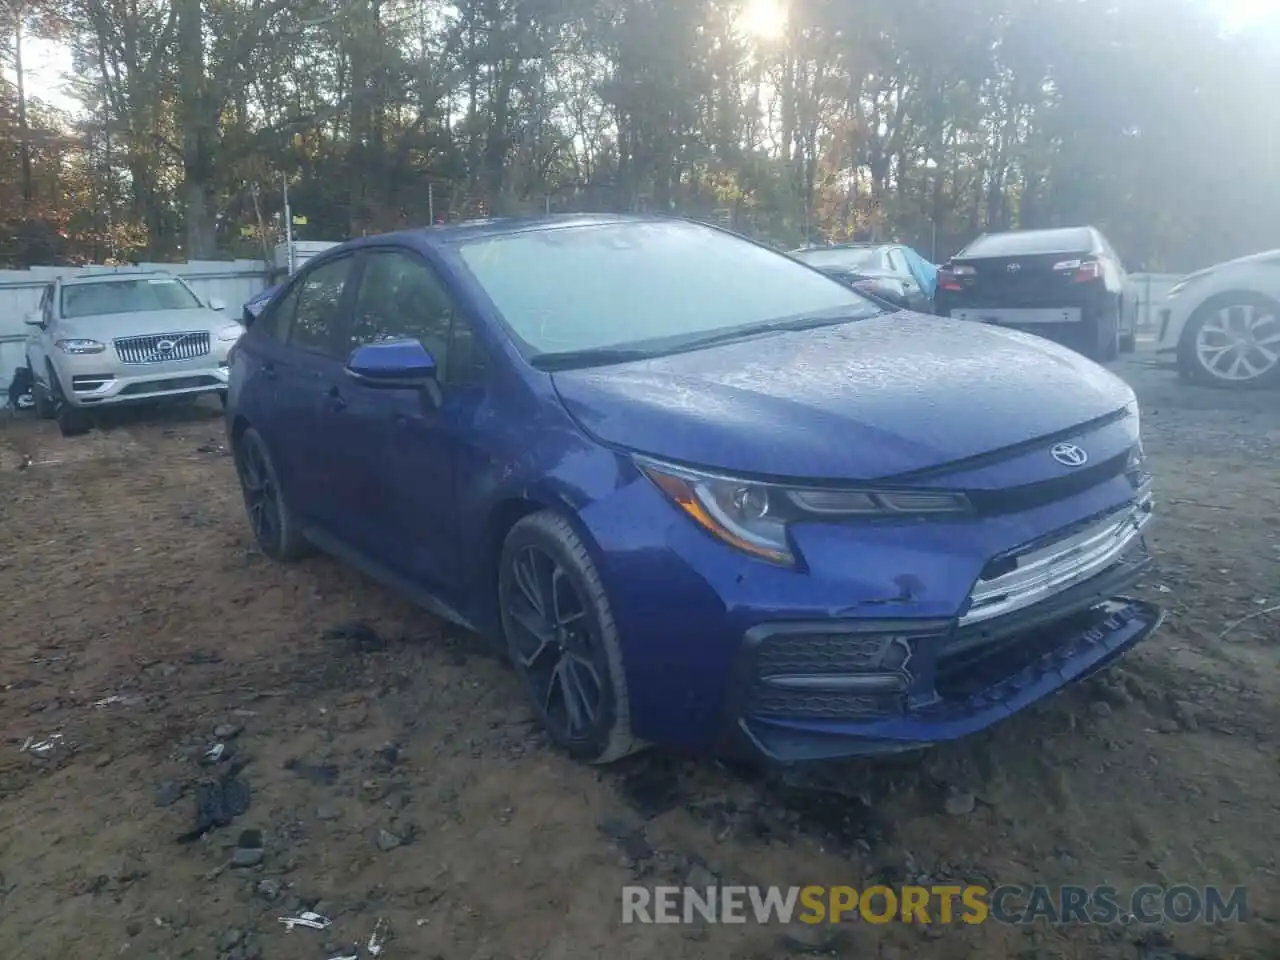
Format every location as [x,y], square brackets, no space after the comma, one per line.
[949,277]
[1082,270]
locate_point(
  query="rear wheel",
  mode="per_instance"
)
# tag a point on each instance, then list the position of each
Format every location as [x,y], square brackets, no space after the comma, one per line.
[1103,335]
[273,522]
[1128,338]
[562,639]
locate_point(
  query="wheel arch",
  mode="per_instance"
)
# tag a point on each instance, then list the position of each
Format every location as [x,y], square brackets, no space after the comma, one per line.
[505,513]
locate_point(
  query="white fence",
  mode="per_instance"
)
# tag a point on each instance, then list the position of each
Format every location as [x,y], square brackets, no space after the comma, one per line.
[1146,293]
[233,281]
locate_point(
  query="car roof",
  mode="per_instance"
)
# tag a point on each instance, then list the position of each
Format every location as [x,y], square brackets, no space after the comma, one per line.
[1004,243]
[469,230]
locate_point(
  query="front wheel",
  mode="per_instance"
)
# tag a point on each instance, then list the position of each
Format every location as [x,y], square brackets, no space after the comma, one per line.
[1232,340]
[562,639]
[72,421]
[46,409]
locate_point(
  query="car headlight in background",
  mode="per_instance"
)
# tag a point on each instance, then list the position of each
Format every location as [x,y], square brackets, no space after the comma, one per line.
[78,345]
[230,333]
[754,516]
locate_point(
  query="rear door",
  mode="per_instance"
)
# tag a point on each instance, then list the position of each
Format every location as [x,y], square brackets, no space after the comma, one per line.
[297,356]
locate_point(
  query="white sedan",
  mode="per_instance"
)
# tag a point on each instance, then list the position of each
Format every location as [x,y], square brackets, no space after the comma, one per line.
[1222,325]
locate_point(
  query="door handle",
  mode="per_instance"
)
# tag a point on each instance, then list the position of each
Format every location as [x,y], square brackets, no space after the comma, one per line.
[269,370]
[336,403]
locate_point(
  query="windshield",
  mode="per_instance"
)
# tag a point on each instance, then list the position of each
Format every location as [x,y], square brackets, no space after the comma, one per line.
[134,295]
[847,259]
[1029,243]
[645,286]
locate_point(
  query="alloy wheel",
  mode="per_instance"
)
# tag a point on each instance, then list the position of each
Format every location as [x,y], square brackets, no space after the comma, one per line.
[1239,342]
[552,643]
[261,496]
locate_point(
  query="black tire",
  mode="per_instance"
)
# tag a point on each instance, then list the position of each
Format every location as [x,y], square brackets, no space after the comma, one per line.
[273,523]
[222,398]
[543,557]
[46,409]
[1128,341]
[72,421]
[1102,335]
[1191,371]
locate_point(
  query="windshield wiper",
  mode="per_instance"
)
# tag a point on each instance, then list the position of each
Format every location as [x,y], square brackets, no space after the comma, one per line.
[605,356]
[599,357]
[785,325]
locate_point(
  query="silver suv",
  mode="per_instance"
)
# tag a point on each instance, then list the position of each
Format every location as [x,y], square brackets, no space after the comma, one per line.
[114,338]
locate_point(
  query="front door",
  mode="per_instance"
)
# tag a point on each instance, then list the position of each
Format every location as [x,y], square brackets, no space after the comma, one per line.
[413,439]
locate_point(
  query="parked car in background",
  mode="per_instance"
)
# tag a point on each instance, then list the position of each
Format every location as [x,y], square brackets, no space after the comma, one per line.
[1222,325]
[699,493]
[119,338]
[889,271]
[1065,284]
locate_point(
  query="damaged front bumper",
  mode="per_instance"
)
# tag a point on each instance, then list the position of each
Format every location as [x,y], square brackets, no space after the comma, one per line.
[793,697]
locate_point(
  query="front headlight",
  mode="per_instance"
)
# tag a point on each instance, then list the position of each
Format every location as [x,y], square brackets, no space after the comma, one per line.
[231,333]
[754,516]
[80,345]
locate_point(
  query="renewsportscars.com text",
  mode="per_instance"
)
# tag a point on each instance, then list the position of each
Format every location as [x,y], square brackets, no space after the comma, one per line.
[940,903]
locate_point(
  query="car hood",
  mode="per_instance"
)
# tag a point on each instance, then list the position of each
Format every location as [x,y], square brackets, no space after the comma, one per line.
[108,326]
[864,400]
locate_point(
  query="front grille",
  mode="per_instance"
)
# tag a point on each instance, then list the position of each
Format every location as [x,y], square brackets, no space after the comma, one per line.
[169,385]
[1022,580]
[818,705]
[829,653]
[1032,495]
[830,675]
[162,347]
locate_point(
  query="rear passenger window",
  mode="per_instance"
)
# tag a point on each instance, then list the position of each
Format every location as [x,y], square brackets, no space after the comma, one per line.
[316,316]
[275,322]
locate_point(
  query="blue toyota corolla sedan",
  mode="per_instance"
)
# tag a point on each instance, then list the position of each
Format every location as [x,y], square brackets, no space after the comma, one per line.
[699,493]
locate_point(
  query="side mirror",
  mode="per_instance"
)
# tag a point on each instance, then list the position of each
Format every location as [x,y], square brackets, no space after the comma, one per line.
[398,364]
[34,319]
[217,303]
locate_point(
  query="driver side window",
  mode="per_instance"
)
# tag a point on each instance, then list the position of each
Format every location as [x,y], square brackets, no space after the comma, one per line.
[401,297]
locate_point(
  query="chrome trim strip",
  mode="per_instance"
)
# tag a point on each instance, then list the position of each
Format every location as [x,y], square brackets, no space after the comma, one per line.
[1049,570]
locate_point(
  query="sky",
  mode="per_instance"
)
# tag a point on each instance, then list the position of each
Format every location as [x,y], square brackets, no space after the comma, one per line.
[48,63]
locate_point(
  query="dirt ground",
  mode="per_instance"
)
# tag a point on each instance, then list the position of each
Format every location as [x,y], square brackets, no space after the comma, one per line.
[396,776]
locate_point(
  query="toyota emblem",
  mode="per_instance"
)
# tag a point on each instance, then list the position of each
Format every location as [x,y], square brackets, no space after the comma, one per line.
[164,346]
[1069,455]
[1014,267]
